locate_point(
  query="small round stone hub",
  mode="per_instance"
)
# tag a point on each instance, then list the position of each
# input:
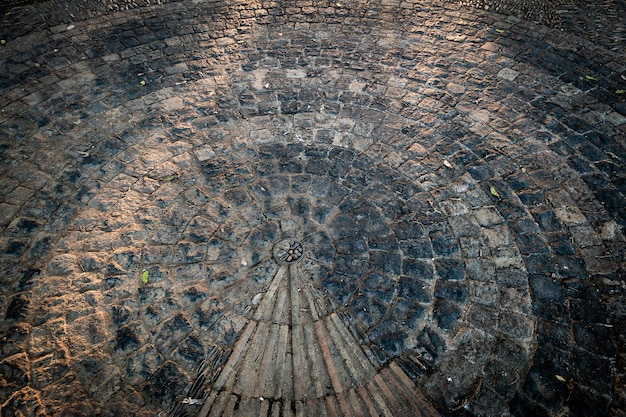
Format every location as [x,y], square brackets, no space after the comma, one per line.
[288,251]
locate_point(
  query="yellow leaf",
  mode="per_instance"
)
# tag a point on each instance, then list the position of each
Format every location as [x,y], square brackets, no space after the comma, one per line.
[447,164]
[500,30]
[620,91]
[591,78]
[145,277]
[3,42]
[493,191]
[560,378]
[524,170]
[142,82]
[169,178]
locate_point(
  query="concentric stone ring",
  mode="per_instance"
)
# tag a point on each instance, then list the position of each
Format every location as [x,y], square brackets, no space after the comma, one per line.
[227,208]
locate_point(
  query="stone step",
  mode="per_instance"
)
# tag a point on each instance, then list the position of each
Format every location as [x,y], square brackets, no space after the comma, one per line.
[390,393]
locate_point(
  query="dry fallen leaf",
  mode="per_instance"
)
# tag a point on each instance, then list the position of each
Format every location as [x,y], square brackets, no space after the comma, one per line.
[447,164]
[493,191]
[169,178]
[560,378]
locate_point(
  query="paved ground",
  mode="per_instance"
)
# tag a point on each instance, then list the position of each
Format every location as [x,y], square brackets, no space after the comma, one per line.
[450,181]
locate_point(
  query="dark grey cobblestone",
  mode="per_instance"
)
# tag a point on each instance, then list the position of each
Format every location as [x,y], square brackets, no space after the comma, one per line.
[455,176]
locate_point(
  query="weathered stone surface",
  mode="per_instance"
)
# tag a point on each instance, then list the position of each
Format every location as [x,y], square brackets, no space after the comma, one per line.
[166,384]
[455,178]
[27,402]
[16,374]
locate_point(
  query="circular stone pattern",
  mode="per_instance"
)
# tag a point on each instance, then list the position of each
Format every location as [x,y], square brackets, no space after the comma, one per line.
[452,176]
[374,243]
[378,251]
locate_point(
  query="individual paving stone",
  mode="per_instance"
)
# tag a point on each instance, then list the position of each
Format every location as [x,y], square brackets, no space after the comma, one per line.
[171,332]
[87,331]
[588,401]
[166,383]
[16,374]
[17,308]
[27,399]
[585,336]
[126,339]
[456,375]
[191,352]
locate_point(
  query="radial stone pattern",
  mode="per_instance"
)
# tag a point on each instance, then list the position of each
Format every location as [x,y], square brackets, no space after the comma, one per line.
[310,209]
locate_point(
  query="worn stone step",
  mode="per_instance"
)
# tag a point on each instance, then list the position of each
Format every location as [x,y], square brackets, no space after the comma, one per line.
[386,395]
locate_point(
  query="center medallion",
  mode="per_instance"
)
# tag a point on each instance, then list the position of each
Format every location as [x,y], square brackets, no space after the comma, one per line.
[288,251]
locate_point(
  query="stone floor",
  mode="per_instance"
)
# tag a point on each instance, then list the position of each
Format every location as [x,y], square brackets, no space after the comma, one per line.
[298,208]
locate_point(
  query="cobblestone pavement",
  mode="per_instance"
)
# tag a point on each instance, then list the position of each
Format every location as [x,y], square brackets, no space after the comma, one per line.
[229,208]
[601,22]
